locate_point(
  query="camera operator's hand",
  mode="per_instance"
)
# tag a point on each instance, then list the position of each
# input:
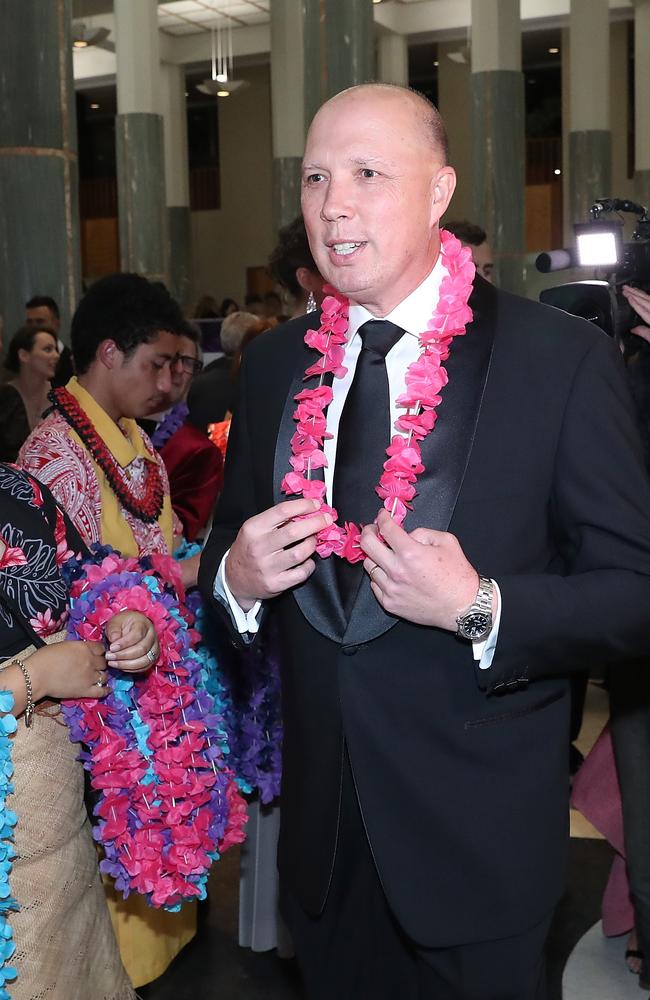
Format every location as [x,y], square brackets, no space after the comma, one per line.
[640,302]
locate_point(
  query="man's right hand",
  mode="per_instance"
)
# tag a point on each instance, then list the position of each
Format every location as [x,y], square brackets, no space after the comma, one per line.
[273,551]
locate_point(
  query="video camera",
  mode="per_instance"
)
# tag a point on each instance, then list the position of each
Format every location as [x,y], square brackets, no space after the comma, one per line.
[599,245]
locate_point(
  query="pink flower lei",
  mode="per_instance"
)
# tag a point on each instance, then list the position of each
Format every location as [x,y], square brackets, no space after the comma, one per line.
[425,378]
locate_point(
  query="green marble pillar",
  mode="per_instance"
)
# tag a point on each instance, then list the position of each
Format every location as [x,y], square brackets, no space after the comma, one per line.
[179,226]
[287,172]
[177,180]
[349,43]
[318,48]
[288,84]
[498,169]
[642,187]
[641,90]
[39,219]
[141,195]
[140,156]
[590,173]
[590,139]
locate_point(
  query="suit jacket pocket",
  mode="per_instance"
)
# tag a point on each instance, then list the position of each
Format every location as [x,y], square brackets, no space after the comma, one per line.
[516,713]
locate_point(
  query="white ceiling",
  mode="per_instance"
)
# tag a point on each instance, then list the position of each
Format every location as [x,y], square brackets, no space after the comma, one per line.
[187,17]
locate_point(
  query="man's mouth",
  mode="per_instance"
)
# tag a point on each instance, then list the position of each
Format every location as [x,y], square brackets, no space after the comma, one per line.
[344,249]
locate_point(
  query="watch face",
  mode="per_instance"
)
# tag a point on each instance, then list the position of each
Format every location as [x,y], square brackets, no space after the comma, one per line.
[475,625]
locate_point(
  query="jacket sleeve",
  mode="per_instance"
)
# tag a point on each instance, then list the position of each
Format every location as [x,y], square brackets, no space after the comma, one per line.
[235,505]
[593,604]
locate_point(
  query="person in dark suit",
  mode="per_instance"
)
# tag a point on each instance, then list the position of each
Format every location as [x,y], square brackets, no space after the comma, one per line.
[213,393]
[424,803]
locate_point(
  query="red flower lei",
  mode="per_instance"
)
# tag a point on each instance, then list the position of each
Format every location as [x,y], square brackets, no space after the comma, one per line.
[149,507]
[424,380]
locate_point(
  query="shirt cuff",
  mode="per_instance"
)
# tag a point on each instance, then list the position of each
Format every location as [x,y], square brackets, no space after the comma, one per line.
[484,650]
[244,621]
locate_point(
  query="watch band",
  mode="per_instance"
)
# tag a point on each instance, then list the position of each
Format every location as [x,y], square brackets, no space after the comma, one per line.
[475,623]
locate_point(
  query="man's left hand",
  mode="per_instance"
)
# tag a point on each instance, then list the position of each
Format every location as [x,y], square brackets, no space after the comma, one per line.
[423,577]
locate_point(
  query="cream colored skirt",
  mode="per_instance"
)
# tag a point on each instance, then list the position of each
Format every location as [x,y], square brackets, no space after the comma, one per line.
[65,946]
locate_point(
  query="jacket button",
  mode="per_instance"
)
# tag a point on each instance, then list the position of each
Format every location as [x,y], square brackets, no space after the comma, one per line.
[349,650]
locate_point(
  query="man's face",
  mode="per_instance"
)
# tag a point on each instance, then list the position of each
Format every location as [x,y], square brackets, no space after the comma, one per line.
[182,371]
[373,189]
[482,257]
[42,316]
[143,380]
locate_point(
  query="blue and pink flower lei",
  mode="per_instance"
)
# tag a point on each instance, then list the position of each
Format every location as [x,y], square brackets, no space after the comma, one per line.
[247,688]
[7,853]
[155,747]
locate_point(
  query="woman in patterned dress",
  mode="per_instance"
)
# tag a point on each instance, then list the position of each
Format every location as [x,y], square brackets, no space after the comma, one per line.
[65,946]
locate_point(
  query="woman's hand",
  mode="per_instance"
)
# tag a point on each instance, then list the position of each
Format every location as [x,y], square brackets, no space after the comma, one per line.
[640,302]
[68,670]
[132,642]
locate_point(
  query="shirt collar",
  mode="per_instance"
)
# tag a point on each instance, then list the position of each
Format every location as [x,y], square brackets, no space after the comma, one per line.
[123,440]
[412,313]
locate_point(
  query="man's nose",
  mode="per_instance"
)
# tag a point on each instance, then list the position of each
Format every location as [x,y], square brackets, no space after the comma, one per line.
[164,380]
[338,203]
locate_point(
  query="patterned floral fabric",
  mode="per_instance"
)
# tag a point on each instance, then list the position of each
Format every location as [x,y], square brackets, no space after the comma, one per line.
[53,455]
[38,539]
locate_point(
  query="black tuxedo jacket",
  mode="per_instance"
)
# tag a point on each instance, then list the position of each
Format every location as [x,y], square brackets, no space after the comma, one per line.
[461,772]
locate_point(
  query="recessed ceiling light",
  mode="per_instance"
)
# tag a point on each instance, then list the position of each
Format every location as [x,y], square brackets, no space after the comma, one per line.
[223,93]
[94,106]
[436,62]
[553,51]
[557,171]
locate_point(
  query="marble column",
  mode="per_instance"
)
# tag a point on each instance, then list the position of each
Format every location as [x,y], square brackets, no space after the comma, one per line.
[288,107]
[139,141]
[393,59]
[39,220]
[498,135]
[590,141]
[641,90]
[318,48]
[177,179]
[349,43]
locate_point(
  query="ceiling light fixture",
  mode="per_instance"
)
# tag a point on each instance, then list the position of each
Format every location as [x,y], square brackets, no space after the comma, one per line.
[553,51]
[220,83]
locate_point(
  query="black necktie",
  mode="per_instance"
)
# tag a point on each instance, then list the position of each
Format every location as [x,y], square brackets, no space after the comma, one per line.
[364,434]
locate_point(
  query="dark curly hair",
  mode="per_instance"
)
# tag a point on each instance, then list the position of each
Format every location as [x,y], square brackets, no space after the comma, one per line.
[23,340]
[291,252]
[125,308]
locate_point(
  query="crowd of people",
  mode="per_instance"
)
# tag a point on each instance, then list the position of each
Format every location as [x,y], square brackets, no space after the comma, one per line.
[381,462]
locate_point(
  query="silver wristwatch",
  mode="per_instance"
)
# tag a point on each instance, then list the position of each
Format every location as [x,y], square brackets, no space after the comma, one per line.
[476,623]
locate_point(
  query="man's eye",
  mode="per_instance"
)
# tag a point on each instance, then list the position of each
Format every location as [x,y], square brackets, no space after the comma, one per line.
[368,172]
[313,178]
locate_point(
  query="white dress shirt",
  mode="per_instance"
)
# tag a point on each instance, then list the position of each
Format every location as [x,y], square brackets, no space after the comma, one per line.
[412,315]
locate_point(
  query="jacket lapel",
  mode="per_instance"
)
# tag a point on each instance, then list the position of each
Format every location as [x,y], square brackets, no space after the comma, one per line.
[318,598]
[446,451]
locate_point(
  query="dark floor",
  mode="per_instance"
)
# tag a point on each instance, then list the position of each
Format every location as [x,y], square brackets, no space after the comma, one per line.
[214,967]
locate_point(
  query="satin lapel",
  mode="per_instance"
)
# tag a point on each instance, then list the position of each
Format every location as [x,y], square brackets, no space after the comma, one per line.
[445,453]
[318,598]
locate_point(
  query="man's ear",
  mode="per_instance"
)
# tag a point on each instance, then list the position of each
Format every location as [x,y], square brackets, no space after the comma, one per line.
[107,353]
[444,185]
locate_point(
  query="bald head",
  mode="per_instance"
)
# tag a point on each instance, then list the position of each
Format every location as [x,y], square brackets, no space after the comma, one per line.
[426,115]
[375,183]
